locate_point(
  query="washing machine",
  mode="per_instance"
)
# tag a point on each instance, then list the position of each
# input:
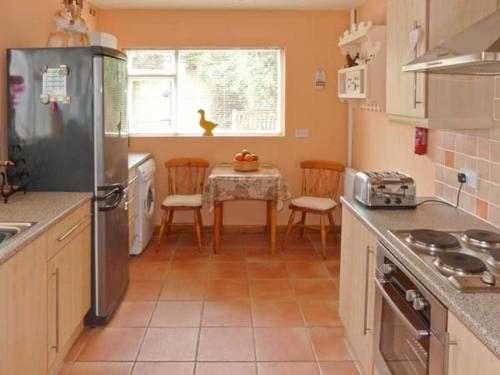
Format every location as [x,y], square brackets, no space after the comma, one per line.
[145,201]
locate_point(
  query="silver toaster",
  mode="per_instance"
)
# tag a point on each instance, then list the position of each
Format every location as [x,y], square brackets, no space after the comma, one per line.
[385,189]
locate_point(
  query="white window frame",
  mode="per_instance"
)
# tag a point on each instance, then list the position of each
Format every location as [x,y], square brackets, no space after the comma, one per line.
[280,94]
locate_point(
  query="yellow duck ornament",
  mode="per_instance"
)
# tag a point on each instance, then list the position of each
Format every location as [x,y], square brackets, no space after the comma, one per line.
[208,126]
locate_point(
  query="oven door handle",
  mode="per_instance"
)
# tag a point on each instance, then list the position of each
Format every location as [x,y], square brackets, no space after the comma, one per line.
[417,333]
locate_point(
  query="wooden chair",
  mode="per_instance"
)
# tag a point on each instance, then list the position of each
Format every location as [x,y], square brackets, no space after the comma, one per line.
[320,186]
[185,178]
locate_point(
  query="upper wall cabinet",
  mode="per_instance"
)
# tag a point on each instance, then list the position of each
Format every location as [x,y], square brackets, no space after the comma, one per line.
[435,100]
[406,92]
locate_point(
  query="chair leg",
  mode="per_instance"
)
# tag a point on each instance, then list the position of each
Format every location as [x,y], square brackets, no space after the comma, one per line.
[323,234]
[200,217]
[162,227]
[288,230]
[302,222]
[268,218]
[197,227]
[332,228]
[170,220]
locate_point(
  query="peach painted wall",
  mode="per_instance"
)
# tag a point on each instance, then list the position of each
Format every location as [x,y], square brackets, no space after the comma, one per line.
[381,144]
[25,24]
[309,40]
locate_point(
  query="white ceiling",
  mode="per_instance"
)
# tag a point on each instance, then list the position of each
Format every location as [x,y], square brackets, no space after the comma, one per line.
[228,4]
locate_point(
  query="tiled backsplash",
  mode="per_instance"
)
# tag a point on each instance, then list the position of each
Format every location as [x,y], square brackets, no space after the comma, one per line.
[478,150]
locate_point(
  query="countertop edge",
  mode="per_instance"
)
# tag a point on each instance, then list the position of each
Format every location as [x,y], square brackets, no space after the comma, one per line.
[482,334]
[136,158]
[31,234]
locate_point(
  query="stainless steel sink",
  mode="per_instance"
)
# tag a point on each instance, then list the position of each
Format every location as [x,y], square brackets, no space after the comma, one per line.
[10,229]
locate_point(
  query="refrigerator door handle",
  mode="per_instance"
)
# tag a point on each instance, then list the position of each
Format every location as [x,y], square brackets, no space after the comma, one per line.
[116,190]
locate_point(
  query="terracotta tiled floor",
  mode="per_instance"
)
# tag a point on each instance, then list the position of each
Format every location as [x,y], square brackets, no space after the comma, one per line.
[240,312]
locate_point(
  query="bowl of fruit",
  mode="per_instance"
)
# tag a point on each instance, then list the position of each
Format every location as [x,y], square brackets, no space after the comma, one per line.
[245,161]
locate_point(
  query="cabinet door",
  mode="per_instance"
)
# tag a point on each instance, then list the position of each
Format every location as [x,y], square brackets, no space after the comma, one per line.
[348,268]
[406,92]
[356,305]
[23,311]
[467,354]
[362,338]
[68,291]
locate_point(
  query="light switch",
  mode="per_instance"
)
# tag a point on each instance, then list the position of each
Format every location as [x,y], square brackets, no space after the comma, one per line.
[302,133]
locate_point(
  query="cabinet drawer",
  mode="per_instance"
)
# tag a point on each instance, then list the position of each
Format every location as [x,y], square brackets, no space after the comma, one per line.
[64,231]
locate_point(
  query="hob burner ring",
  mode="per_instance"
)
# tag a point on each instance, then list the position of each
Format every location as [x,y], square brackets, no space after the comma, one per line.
[432,240]
[483,239]
[459,264]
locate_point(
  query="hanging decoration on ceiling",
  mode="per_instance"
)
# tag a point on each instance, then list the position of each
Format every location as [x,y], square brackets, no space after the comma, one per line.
[72,31]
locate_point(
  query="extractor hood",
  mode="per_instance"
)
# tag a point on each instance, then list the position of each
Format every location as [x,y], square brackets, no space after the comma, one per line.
[473,51]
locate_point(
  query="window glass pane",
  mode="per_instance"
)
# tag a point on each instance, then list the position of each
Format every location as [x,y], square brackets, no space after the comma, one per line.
[241,90]
[238,89]
[151,105]
[150,62]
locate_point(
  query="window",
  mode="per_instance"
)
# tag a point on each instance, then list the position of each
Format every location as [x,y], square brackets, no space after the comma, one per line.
[239,89]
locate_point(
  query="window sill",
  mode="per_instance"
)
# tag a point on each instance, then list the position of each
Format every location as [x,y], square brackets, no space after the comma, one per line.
[137,135]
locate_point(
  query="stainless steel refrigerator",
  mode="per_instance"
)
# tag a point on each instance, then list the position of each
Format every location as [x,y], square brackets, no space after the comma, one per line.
[67,126]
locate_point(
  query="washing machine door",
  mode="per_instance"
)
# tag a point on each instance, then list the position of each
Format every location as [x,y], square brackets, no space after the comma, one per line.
[149,199]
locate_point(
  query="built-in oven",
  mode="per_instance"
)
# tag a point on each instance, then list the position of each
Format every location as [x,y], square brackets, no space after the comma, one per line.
[410,323]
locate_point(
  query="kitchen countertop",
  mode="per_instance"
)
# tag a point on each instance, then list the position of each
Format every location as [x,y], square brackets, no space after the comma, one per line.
[43,208]
[136,158]
[480,312]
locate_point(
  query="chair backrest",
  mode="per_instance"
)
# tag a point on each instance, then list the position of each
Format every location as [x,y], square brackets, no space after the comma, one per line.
[321,178]
[186,176]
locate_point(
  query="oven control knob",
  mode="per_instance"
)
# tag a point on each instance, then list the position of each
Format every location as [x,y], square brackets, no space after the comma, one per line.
[420,304]
[488,278]
[387,200]
[398,200]
[388,269]
[411,295]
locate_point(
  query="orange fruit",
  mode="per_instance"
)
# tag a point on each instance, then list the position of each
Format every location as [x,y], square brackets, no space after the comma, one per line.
[238,157]
[248,157]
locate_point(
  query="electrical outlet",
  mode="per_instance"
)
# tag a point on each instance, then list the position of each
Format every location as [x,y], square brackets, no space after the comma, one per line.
[471,177]
[302,133]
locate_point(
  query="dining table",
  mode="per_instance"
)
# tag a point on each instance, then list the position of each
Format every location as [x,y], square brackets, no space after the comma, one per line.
[267,184]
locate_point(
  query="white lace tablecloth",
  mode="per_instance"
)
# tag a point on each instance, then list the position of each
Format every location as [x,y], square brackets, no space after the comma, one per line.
[224,184]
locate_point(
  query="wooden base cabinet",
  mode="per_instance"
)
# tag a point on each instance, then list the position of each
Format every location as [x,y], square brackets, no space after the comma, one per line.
[68,291]
[23,311]
[357,290]
[44,295]
[467,355]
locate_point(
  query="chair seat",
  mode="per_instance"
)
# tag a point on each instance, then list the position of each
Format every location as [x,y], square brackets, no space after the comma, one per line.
[193,200]
[314,203]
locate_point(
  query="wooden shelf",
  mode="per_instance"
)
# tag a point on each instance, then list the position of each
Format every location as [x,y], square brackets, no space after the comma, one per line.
[364,85]
[356,35]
